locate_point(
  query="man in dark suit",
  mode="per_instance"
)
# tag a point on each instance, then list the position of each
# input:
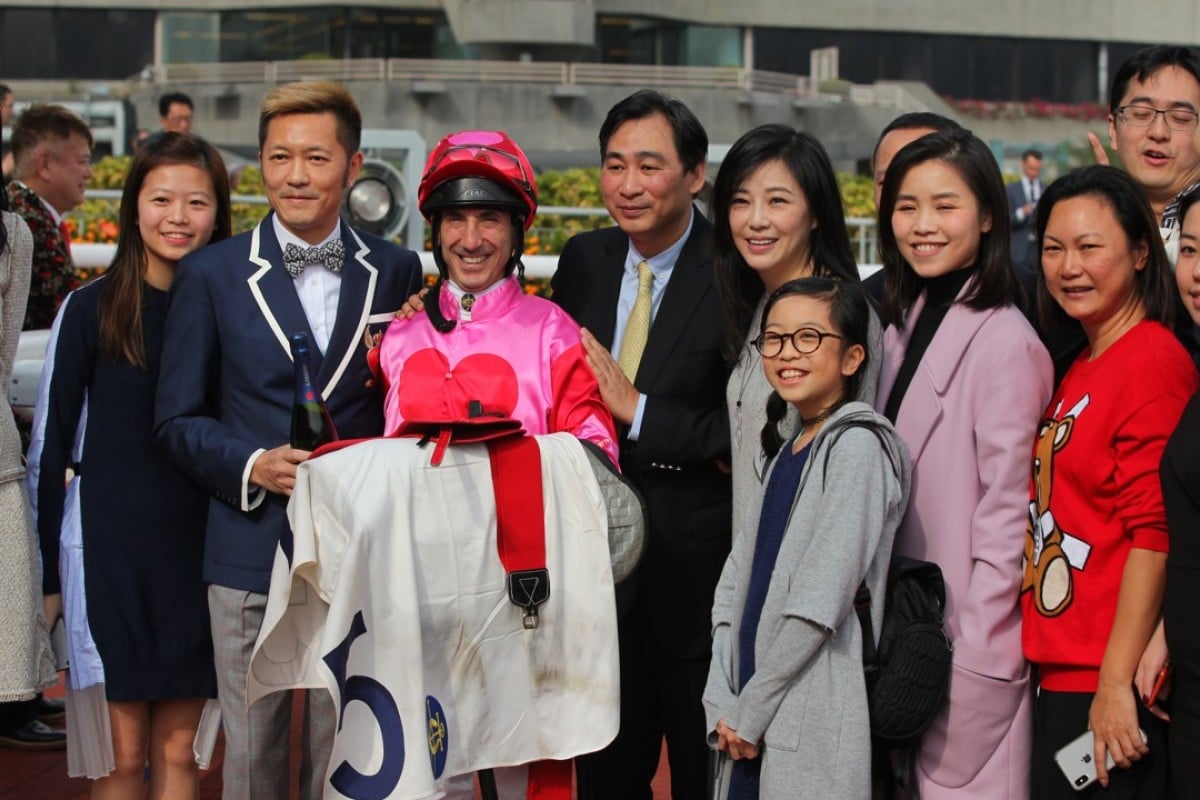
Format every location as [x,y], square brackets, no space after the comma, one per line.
[226,391]
[1023,195]
[643,292]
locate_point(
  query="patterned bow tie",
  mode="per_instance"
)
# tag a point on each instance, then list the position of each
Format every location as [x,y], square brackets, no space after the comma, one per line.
[332,254]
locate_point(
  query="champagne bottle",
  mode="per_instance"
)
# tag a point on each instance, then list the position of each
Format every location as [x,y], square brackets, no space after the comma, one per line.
[311,424]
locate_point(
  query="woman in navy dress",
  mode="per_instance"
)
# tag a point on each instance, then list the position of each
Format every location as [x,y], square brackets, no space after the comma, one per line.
[122,533]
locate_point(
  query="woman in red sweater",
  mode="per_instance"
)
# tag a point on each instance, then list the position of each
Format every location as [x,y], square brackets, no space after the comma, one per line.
[1095,560]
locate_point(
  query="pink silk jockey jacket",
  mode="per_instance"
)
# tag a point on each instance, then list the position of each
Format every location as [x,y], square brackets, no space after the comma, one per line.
[517,354]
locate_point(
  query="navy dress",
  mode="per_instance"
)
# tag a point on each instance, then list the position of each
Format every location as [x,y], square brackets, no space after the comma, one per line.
[777,504]
[131,523]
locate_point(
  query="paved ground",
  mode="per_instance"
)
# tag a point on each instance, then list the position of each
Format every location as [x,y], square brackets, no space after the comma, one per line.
[43,776]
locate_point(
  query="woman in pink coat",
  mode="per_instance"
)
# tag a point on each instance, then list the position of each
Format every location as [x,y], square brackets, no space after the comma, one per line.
[964,380]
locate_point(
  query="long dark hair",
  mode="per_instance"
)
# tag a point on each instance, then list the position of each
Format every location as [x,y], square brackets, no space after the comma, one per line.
[994,284]
[3,208]
[850,313]
[3,188]
[120,306]
[832,256]
[1154,283]
[1186,202]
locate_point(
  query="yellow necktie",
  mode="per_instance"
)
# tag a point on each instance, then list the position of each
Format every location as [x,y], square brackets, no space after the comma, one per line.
[637,327]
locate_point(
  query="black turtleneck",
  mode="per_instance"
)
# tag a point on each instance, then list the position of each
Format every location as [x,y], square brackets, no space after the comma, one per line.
[939,296]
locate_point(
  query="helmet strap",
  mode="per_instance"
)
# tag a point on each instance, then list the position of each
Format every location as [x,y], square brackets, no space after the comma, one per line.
[435,240]
[433,308]
[518,248]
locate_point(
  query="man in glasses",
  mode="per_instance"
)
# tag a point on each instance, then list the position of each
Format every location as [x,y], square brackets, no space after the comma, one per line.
[1154,105]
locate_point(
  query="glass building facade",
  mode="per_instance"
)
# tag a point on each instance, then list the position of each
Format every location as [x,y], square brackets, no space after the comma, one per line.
[81,43]
[99,44]
[319,32]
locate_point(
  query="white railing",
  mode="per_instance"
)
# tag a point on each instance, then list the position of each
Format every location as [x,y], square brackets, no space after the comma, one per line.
[346,69]
[420,69]
[96,256]
[432,70]
[783,82]
[217,72]
[99,256]
[657,75]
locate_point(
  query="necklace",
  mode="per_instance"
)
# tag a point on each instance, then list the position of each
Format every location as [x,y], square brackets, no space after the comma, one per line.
[819,418]
[745,380]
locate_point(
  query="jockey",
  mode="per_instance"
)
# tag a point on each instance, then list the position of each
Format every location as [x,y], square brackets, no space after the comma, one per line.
[517,355]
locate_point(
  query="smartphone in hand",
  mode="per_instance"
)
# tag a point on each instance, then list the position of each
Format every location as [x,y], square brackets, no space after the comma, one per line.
[1077,760]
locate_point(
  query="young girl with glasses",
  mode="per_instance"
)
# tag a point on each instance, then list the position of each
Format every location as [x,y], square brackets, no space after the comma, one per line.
[786,698]
[964,380]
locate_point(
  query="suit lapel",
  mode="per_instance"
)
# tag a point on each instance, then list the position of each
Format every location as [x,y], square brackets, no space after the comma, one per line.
[923,405]
[355,298]
[690,280]
[608,291]
[274,292]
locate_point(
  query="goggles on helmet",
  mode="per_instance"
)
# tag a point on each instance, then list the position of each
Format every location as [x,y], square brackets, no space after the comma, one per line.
[490,155]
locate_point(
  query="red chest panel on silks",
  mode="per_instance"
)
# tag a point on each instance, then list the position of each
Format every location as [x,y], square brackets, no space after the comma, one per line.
[395,599]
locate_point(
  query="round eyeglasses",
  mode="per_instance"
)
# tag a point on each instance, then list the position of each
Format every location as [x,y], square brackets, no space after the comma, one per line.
[804,341]
[1177,119]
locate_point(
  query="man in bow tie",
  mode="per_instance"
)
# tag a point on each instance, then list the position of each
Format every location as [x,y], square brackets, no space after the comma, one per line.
[225,395]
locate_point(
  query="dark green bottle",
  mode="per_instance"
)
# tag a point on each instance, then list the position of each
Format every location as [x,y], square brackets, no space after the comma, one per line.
[311,424]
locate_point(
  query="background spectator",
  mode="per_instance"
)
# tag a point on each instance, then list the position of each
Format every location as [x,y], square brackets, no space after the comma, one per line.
[175,112]
[53,151]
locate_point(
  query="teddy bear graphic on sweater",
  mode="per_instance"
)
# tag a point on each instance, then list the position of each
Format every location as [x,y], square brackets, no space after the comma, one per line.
[1050,552]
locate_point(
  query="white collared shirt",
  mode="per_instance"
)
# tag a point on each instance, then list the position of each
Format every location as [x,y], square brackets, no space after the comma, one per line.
[661,265]
[1033,189]
[317,287]
[57,217]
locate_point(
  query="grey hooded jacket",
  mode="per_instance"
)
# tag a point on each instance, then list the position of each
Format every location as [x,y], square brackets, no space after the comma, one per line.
[806,702]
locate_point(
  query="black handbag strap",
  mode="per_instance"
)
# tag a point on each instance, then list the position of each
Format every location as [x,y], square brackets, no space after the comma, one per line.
[862,607]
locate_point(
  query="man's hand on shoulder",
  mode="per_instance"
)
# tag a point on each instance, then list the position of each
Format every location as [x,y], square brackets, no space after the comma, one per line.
[275,469]
[413,306]
[615,389]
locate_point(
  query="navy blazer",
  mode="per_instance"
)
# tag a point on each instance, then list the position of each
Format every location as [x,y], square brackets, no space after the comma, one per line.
[685,426]
[227,382]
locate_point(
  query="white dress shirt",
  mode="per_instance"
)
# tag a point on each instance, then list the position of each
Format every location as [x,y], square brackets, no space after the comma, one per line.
[662,265]
[317,287]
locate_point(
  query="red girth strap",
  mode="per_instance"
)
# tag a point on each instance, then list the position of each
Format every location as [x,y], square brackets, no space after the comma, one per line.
[521,542]
[520,516]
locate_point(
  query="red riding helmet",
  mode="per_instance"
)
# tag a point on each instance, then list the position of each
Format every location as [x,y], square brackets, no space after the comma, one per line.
[478,169]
